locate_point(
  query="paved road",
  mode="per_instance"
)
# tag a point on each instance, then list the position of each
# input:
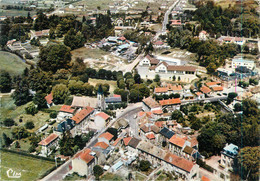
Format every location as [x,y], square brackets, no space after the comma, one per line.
[131,66]
[166,16]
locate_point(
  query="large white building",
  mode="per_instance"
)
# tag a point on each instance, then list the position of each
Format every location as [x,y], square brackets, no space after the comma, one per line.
[243,62]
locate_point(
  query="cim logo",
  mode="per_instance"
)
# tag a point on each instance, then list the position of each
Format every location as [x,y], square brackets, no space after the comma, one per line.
[12,174]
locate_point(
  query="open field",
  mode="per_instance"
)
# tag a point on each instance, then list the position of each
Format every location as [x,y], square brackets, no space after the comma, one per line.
[139,176]
[11,63]
[97,58]
[30,168]
[14,12]
[111,176]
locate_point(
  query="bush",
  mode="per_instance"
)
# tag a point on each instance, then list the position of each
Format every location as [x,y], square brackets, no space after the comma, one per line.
[53,114]
[31,109]
[29,125]
[144,165]
[8,122]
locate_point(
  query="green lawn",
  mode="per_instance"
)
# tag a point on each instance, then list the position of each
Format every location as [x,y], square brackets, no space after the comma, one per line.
[74,176]
[111,176]
[30,168]
[11,63]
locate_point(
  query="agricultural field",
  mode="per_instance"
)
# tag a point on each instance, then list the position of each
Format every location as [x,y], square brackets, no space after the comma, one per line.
[30,168]
[11,63]
[14,12]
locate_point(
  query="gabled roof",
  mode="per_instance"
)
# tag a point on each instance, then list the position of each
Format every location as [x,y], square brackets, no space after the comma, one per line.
[49,98]
[161,89]
[167,133]
[103,115]
[160,124]
[157,112]
[102,145]
[67,109]
[219,88]
[150,102]
[203,178]
[155,129]
[205,89]
[209,84]
[134,142]
[117,141]
[170,101]
[85,155]
[148,114]
[198,93]
[152,60]
[158,43]
[108,136]
[52,137]
[179,162]
[150,136]
[126,140]
[175,87]
[79,101]
[193,141]
[144,128]
[178,141]
[82,114]
[188,150]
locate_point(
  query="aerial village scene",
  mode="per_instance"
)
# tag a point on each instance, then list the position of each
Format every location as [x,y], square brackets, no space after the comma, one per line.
[129,90]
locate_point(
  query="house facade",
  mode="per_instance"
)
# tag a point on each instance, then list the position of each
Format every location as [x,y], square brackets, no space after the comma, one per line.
[48,144]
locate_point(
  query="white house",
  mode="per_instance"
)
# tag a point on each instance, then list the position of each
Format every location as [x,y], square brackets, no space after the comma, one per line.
[83,162]
[203,35]
[65,112]
[48,144]
[101,120]
[149,61]
[105,137]
[243,62]
[228,155]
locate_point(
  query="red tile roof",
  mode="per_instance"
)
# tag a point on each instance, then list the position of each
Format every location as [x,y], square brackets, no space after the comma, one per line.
[157,112]
[203,178]
[49,98]
[160,124]
[66,108]
[117,141]
[116,95]
[198,93]
[205,89]
[161,89]
[144,128]
[212,83]
[122,38]
[150,136]
[127,140]
[52,137]
[220,88]
[148,114]
[85,155]
[204,32]
[82,114]
[175,87]
[152,59]
[107,136]
[103,115]
[193,141]
[102,145]
[170,101]
[176,140]
[158,43]
[179,162]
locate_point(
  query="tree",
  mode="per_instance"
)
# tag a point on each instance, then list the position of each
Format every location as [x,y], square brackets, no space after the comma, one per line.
[144,165]
[250,108]
[174,78]
[74,39]
[134,96]
[237,107]
[6,140]
[52,34]
[29,125]
[177,115]
[137,78]
[149,48]
[20,132]
[17,144]
[5,82]
[157,78]
[98,171]
[31,109]
[249,162]
[54,57]
[179,78]
[60,93]
[8,122]
[39,100]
